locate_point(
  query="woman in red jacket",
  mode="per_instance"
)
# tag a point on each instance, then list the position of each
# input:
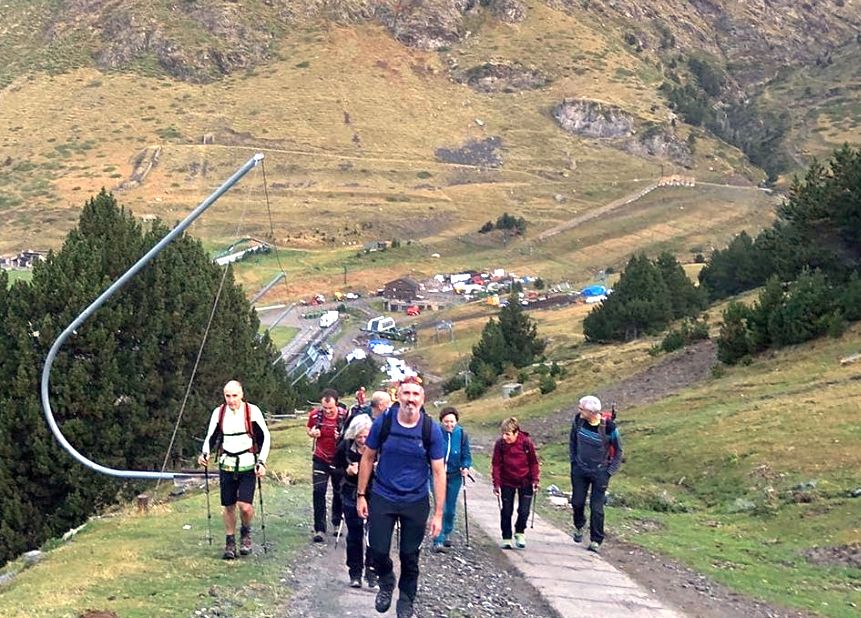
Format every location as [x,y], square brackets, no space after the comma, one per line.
[515,470]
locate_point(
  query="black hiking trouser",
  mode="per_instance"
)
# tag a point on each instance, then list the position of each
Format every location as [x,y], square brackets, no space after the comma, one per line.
[524,503]
[413,517]
[581,481]
[356,550]
[323,473]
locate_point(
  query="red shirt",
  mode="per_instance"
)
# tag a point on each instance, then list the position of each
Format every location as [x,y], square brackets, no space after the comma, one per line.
[515,464]
[329,432]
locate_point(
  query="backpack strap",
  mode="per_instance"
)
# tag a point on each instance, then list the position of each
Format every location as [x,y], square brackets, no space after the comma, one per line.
[427,430]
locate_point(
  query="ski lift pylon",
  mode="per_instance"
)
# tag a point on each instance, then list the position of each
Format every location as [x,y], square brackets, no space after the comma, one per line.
[112,289]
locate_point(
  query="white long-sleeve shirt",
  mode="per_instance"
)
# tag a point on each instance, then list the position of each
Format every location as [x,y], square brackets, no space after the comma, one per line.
[235,438]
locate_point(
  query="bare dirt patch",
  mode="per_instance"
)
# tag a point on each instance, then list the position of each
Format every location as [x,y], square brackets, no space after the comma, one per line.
[839,556]
[677,371]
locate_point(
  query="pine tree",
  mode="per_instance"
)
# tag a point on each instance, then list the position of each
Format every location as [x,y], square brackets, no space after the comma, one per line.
[639,304]
[520,335]
[687,300]
[117,383]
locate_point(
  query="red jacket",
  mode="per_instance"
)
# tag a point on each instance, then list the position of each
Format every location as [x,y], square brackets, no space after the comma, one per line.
[515,464]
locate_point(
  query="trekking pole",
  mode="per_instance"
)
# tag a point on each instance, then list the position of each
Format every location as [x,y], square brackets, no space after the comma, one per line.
[208,509]
[262,513]
[465,516]
[338,533]
[532,525]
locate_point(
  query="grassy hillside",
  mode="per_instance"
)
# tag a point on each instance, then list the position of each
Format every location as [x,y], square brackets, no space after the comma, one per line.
[746,477]
[159,563]
[352,158]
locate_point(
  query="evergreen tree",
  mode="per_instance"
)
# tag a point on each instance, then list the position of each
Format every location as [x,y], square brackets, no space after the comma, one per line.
[117,384]
[639,304]
[734,342]
[742,266]
[490,349]
[805,312]
[520,335]
[758,318]
[819,225]
[686,298]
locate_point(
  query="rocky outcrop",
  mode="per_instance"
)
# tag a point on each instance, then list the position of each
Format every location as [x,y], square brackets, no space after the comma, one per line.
[508,11]
[755,39]
[593,119]
[603,121]
[502,77]
[480,153]
[429,25]
[230,42]
[660,141]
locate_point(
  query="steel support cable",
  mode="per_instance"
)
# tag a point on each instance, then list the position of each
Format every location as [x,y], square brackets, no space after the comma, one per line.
[271,224]
[203,340]
[110,291]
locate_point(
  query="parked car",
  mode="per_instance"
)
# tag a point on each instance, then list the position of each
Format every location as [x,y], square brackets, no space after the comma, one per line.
[413,310]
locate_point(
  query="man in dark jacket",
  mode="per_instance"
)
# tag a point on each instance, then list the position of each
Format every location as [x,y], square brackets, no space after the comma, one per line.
[596,454]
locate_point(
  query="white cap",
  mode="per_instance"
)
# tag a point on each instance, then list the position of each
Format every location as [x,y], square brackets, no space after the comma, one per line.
[590,403]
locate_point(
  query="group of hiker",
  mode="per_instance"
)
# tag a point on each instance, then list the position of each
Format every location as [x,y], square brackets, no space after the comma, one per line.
[383,459]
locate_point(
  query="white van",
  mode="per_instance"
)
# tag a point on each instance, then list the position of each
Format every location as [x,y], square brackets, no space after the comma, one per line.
[328,318]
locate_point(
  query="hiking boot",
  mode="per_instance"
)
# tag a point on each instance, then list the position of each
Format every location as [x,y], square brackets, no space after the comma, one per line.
[520,540]
[371,579]
[404,608]
[577,535]
[507,544]
[318,537]
[245,541]
[446,542]
[383,601]
[355,581]
[229,549]
[439,548]
[594,546]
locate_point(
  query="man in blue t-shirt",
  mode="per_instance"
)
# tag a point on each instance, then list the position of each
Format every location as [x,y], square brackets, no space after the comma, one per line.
[408,455]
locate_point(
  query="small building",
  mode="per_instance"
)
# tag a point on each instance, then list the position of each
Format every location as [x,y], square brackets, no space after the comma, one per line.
[403,288]
[375,245]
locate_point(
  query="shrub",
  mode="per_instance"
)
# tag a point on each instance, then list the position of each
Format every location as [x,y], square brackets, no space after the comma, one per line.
[454,383]
[734,342]
[476,389]
[547,384]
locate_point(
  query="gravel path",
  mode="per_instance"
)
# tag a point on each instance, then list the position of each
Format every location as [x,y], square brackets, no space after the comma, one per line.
[465,582]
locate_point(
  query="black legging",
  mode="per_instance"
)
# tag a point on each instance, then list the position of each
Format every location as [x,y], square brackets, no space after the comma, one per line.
[524,502]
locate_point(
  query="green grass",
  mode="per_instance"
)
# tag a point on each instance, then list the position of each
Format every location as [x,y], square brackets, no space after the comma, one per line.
[152,565]
[717,476]
[281,335]
[19,275]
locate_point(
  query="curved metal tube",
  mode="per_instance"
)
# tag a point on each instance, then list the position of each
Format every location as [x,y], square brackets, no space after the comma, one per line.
[114,287]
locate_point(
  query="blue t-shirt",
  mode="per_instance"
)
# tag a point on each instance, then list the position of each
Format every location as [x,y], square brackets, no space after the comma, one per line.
[403,472]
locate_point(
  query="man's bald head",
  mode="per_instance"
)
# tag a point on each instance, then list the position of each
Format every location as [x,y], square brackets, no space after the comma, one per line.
[233,394]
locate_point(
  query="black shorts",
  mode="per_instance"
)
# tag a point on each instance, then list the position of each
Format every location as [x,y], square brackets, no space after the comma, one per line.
[237,487]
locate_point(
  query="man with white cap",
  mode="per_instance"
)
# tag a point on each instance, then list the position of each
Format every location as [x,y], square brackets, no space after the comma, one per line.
[596,454]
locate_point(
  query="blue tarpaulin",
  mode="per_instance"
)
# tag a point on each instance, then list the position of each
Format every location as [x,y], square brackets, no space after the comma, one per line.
[594,290]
